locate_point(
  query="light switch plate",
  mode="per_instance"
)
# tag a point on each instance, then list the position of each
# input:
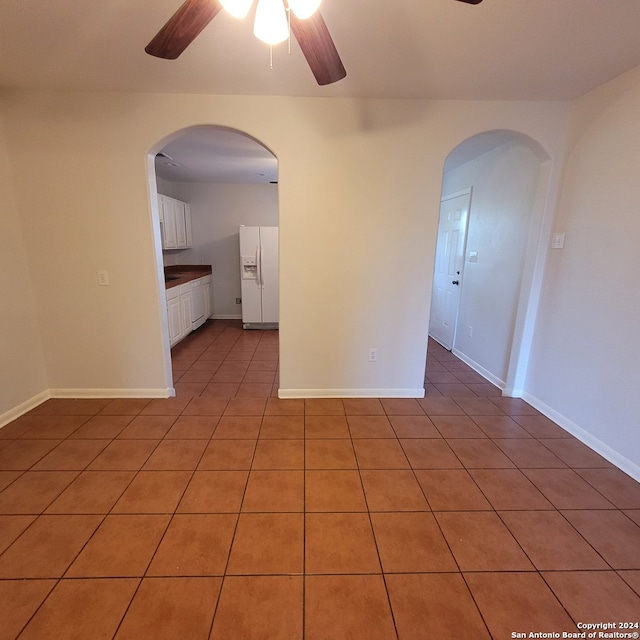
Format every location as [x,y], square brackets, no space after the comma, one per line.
[103,278]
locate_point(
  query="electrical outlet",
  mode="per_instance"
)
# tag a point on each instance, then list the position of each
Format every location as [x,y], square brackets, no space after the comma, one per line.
[373,355]
[238,300]
[470,332]
[103,278]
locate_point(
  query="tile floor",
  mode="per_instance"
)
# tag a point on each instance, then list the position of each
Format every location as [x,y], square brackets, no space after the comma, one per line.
[228,514]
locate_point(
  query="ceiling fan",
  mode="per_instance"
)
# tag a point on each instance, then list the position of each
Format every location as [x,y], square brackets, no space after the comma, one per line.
[312,35]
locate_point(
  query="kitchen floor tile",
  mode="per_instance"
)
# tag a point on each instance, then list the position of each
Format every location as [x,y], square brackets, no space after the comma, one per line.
[274,491]
[282,427]
[478,453]
[340,543]
[380,454]
[531,604]
[614,536]
[176,455]
[575,454]
[22,598]
[47,547]
[457,427]
[363,407]
[21,455]
[451,490]
[481,542]
[496,426]
[550,541]
[205,406]
[267,543]
[125,407]
[228,455]
[194,427]
[279,454]
[430,454]
[334,491]
[509,489]
[349,606]
[529,454]
[370,426]
[440,406]
[410,543]
[102,427]
[284,407]
[124,455]
[540,426]
[259,608]
[52,427]
[71,455]
[34,491]
[195,545]
[413,426]
[615,485]
[122,546]
[92,492]
[330,453]
[594,596]
[326,426]
[214,492]
[170,608]
[11,527]
[233,427]
[393,490]
[402,407]
[245,406]
[147,428]
[434,605]
[565,489]
[323,407]
[78,609]
[153,492]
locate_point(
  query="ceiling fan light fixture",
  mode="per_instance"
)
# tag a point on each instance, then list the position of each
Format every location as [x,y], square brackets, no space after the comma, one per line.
[271,25]
[237,8]
[304,8]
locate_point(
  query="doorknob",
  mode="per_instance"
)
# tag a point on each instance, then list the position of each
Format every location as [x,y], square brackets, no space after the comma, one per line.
[455,282]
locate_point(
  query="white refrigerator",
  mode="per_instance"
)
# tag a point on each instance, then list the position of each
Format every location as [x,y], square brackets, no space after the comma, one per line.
[259,277]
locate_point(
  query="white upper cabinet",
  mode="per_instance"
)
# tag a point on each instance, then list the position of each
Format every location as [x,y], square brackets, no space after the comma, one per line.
[175,223]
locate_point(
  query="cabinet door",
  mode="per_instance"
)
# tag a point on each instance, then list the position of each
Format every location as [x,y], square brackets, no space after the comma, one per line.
[174,314]
[181,227]
[185,308]
[207,287]
[169,229]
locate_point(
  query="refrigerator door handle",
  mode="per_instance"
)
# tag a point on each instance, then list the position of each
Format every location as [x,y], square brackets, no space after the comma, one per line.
[259,266]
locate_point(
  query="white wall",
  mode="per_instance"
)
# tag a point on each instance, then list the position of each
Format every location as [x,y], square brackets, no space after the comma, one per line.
[359,191]
[584,365]
[217,211]
[501,225]
[23,377]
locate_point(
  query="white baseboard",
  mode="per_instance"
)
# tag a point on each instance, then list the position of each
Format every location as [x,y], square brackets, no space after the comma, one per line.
[32,403]
[614,457]
[23,407]
[111,393]
[350,393]
[501,384]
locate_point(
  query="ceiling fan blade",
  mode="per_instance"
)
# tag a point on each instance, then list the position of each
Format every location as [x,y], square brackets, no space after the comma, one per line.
[471,1]
[182,28]
[318,48]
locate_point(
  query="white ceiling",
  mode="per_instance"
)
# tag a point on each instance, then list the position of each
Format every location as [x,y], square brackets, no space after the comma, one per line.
[434,49]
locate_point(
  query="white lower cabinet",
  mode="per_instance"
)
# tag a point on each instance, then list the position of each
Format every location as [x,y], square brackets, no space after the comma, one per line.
[188,307]
[179,312]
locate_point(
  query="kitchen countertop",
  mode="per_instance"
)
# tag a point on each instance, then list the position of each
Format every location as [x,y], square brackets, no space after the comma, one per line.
[178,274]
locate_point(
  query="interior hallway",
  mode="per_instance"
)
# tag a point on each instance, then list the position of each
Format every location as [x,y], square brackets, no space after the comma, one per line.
[229,514]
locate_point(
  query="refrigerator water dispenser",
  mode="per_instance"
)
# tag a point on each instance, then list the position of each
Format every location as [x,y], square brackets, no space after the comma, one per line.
[249,268]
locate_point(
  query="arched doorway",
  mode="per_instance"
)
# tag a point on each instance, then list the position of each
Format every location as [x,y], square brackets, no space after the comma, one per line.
[507,175]
[227,179]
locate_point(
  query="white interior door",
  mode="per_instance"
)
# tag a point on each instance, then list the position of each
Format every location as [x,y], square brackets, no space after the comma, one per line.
[449,263]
